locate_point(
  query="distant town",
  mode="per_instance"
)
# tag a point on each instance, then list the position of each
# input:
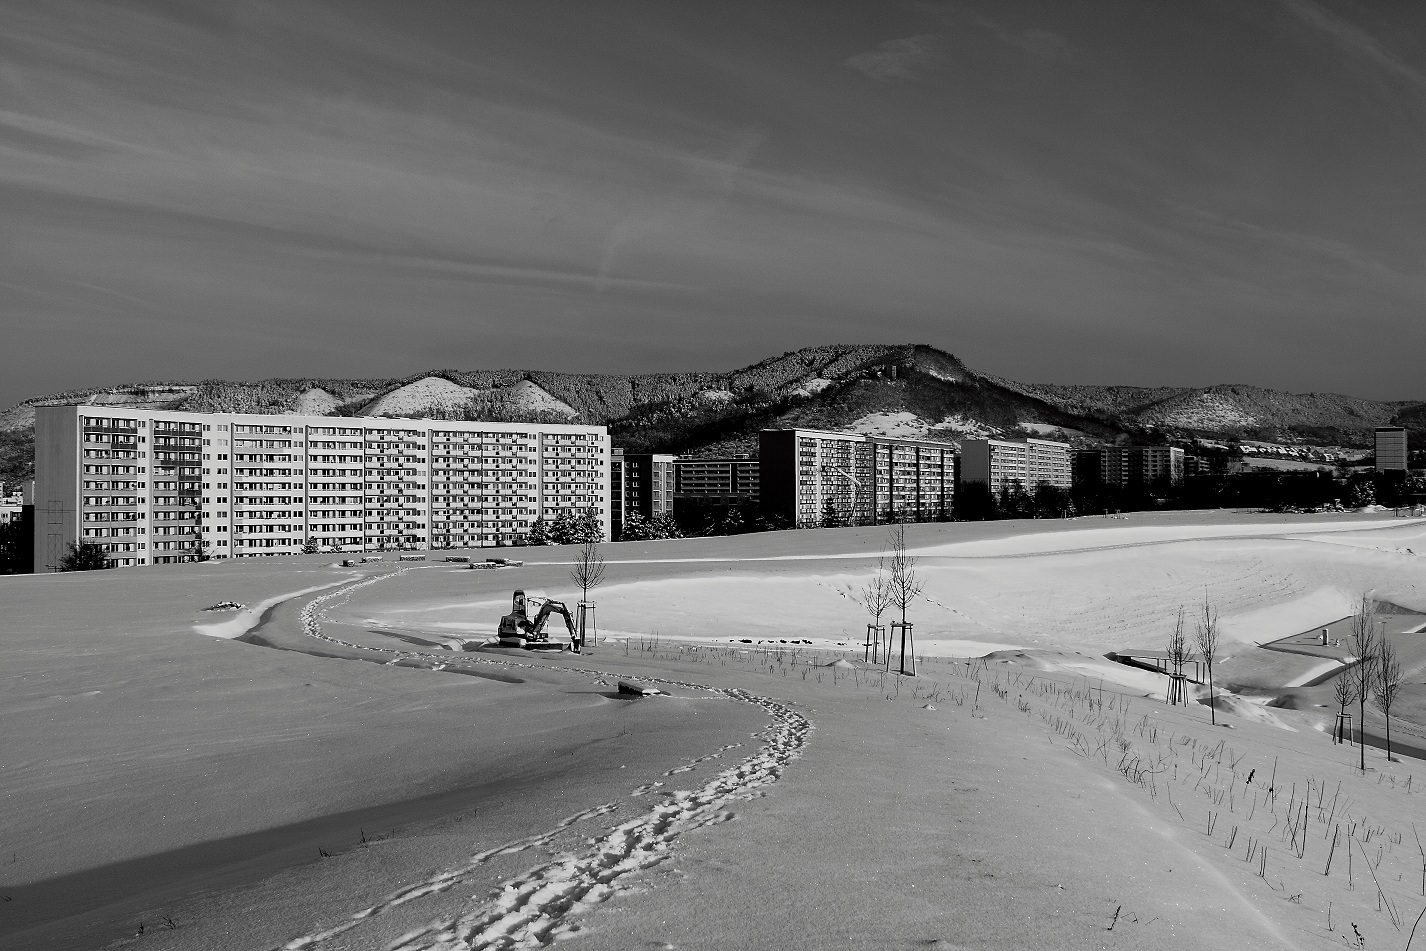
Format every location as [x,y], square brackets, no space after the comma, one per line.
[121,487]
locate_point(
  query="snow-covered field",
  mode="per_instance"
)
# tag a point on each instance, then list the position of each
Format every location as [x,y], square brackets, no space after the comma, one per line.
[369,788]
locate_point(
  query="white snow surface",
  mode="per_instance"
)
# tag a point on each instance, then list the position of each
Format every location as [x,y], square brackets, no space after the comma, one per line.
[430,392]
[315,402]
[907,425]
[813,386]
[434,392]
[249,618]
[897,425]
[1048,429]
[966,426]
[136,738]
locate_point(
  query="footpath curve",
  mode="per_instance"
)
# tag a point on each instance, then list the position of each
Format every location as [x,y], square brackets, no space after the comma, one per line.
[543,902]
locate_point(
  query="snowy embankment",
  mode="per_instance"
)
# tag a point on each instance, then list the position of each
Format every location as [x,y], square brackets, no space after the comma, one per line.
[1023,802]
[248,618]
[530,909]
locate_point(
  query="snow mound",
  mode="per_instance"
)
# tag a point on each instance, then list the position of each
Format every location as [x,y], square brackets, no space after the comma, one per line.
[527,395]
[1204,411]
[427,393]
[434,393]
[898,425]
[315,402]
[813,386]
[1047,429]
[966,426]
[1249,710]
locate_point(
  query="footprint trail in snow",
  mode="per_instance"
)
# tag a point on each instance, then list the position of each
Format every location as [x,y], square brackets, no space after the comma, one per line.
[541,904]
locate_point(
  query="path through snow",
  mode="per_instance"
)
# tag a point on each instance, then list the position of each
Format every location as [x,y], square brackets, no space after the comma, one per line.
[543,902]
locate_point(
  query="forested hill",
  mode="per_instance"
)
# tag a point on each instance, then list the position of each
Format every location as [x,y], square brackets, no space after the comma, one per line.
[898,390]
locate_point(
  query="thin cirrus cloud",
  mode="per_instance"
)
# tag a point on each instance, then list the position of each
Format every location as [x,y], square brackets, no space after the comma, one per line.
[1356,39]
[248,189]
[908,58]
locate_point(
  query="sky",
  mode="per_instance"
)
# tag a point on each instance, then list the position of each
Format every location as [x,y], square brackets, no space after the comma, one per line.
[1108,192]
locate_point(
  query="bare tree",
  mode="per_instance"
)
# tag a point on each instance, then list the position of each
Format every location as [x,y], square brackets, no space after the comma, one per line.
[905,586]
[1206,637]
[1388,679]
[1343,693]
[588,571]
[875,596]
[1364,673]
[1177,655]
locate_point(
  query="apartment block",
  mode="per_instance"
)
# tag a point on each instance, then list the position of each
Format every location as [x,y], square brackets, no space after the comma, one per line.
[805,476]
[723,478]
[1390,448]
[1141,465]
[708,490]
[1086,467]
[151,486]
[645,486]
[616,493]
[999,463]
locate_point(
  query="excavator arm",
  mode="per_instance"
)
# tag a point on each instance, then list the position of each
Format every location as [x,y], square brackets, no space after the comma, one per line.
[517,628]
[552,607]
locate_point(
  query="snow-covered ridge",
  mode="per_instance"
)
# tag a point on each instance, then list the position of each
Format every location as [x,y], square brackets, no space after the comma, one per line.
[907,425]
[441,395]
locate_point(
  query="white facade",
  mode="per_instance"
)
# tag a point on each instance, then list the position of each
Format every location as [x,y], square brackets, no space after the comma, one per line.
[1000,462]
[148,485]
[806,476]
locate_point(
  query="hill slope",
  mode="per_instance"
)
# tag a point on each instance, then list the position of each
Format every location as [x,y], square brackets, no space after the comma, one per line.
[906,389]
[1236,409]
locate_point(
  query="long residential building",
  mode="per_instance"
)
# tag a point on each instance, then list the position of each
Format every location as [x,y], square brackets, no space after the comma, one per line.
[815,477]
[1140,465]
[151,486]
[730,479]
[1000,463]
[708,490]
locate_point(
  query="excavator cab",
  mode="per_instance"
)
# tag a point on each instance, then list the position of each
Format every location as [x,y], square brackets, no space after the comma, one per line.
[518,629]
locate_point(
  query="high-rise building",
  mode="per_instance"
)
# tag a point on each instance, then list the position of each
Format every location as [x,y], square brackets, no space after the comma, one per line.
[815,477]
[1086,467]
[153,486]
[724,478]
[616,493]
[1390,448]
[1000,463]
[708,490]
[1141,465]
[648,486]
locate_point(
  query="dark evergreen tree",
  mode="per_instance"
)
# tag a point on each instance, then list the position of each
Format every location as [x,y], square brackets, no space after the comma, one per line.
[539,533]
[664,526]
[636,528]
[85,557]
[974,502]
[14,541]
[733,523]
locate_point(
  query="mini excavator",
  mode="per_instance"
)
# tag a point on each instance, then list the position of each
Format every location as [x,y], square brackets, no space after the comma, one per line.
[518,629]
